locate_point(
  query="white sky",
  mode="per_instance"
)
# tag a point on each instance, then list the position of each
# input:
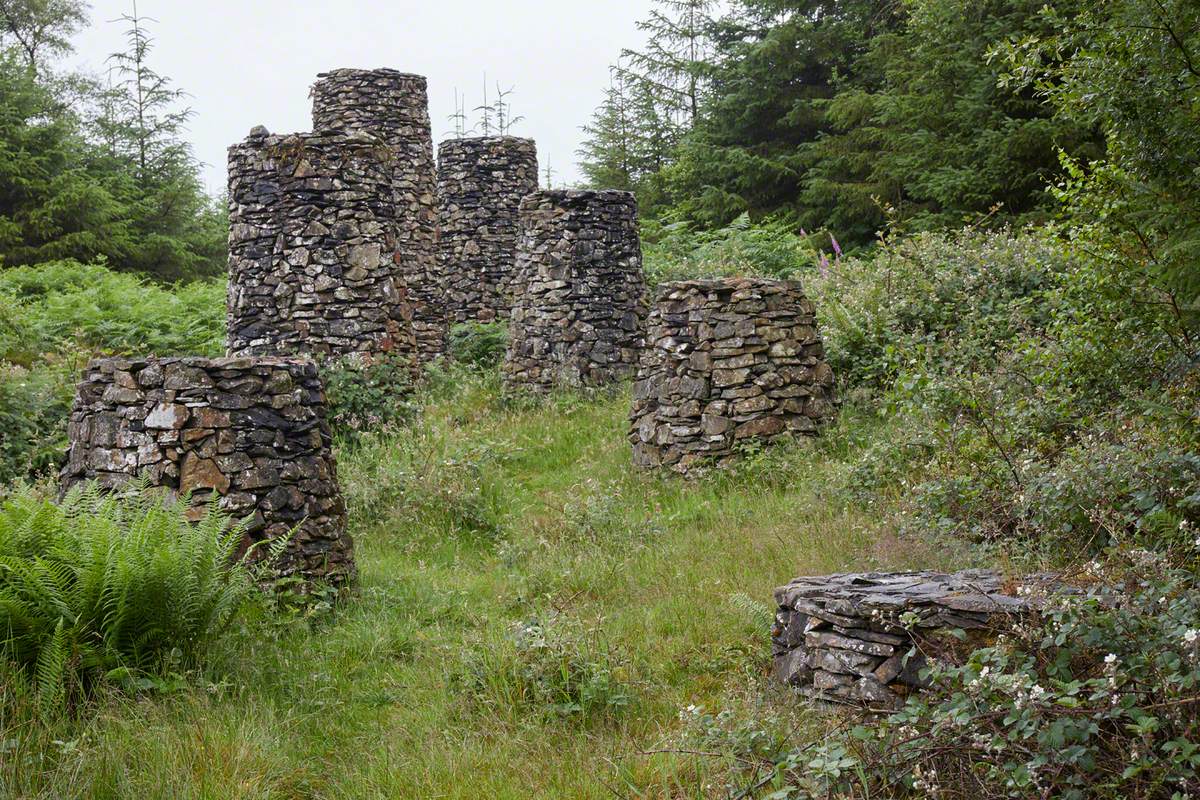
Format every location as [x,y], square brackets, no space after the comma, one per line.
[251,62]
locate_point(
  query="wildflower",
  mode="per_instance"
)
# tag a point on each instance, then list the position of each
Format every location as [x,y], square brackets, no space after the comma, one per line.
[837,248]
[1111,658]
[1190,636]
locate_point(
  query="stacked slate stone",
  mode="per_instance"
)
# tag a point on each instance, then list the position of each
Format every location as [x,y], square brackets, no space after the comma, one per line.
[248,432]
[310,247]
[863,638]
[727,361]
[393,106]
[481,181]
[578,291]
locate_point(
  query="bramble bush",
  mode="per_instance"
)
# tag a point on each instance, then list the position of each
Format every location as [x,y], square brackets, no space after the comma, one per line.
[1097,698]
[367,394]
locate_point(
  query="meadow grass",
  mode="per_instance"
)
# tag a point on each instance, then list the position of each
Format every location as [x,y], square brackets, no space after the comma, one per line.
[532,616]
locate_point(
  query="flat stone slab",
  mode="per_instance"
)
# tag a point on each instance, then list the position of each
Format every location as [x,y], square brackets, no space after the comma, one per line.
[863,638]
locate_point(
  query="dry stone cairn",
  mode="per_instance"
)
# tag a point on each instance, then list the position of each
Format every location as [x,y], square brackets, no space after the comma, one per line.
[394,107]
[481,181]
[727,361]
[847,638]
[248,432]
[310,247]
[578,291]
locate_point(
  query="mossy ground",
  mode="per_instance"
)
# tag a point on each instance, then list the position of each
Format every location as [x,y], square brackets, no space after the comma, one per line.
[532,616]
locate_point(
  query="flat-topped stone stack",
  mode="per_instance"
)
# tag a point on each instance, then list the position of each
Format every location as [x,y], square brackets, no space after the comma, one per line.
[847,638]
[481,181]
[726,361]
[578,291]
[310,247]
[248,432]
[394,107]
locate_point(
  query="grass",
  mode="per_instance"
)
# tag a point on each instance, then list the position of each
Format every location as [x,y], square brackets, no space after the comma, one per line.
[533,614]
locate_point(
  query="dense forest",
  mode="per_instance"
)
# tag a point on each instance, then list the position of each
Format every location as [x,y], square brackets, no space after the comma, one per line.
[995,208]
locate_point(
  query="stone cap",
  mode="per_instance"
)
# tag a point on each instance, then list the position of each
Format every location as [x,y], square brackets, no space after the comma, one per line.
[580,198]
[125,364]
[378,72]
[858,594]
[346,140]
[731,284]
[478,142]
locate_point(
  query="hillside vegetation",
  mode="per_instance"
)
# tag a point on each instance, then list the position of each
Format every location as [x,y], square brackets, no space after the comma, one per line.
[995,208]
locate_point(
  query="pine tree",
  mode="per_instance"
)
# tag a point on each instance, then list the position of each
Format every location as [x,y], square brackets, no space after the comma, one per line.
[606,155]
[673,66]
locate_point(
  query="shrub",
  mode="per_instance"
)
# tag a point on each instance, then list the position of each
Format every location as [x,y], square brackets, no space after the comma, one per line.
[112,586]
[479,344]
[367,394]
[1099,699]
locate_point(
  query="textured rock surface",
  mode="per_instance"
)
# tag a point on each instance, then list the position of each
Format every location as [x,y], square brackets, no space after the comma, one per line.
[481,181]
[310,247]
[726,361]
[394,107]
[578,291]
[250,431]
[846,637]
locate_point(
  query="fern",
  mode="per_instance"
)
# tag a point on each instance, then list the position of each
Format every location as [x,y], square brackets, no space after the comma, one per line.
[101,584]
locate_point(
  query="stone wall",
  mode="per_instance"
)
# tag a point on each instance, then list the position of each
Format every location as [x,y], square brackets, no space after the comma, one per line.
[394,107]
[310,247]
[481,181]
[250,431]
[578,290]
[726,361]
[845,638]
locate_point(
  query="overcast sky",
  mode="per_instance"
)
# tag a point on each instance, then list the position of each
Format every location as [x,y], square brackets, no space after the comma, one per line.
[251,62]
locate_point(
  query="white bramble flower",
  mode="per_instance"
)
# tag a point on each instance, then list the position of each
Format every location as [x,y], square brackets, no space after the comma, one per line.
[1191,635]
[1111,658]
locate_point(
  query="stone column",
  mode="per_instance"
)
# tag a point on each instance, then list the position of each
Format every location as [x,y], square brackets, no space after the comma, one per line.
[578,289]
[726,361]
[310,247]
[247,432]
[481,181]
[393,106]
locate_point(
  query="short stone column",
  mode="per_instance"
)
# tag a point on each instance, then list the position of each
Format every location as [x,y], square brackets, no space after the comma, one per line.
[310,247]
[578,290]
[394,107]
[864,638]
[248,432]
[481,181]
[727,361]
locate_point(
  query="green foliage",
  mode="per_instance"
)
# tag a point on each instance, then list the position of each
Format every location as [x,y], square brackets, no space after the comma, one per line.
[478,344]
[367,393]
[112,587]
[1097,699]
[89,172]
[552,668]
[34,405]
[65,306]
[769,249]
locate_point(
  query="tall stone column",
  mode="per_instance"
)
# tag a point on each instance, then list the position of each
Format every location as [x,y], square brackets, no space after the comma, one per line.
[393,106]
[579,306]
[481,181]
[310,247]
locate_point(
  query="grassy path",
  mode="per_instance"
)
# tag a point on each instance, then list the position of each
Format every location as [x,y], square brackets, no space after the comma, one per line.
[532,617]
